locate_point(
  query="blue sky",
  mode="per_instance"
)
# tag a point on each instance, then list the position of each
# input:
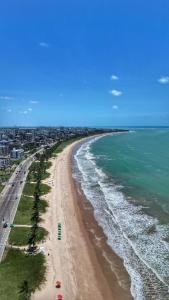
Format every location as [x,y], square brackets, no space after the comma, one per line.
[84,63]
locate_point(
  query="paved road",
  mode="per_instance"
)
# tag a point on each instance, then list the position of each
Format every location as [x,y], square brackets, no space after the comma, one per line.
[10,197]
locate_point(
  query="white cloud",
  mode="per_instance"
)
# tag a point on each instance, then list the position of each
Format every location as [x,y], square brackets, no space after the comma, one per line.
[114,77]
[115,93]
[6,98]
[44,44]
[164,80]
[24,112]
[33,102]
[115,107]
[29,109]
[9,110]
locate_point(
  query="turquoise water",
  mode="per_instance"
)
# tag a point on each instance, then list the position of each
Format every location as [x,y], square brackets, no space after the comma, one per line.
[139,161]
[125,177]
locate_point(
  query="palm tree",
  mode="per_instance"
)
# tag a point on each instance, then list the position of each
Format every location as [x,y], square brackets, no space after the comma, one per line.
[37,187]
[35,206]
[36,196]
[33,238]
[35,216]
[24,291]
[32,243]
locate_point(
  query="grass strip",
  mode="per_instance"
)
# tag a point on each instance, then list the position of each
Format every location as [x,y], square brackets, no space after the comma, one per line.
[24,211]
[29,189]
[19,236]
[17,267]
[35,166]
[59,148]
[32,176]
[1,187]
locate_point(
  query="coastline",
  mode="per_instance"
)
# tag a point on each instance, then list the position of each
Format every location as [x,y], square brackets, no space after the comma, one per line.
[82,260]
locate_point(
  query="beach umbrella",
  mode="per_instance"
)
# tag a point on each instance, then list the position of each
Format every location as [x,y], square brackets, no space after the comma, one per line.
[58,284]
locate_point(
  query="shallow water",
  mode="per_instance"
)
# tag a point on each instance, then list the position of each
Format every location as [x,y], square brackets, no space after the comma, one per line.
[125,177]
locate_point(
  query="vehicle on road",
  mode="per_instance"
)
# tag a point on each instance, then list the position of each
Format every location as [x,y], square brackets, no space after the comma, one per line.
[5,225]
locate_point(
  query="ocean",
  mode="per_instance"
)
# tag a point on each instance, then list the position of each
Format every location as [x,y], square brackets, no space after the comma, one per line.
[126,179]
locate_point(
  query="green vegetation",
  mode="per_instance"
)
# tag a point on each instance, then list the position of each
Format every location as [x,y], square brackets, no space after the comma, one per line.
[57,148]
[17,161]
[44,189]
[30,147]
[5,174]
[52,151]
[19,236]
[4,177]
[24,211]
[36,164]
[66,143]
[38,168]
[1,187]
[25,236]
[18,267]
[30,208]
[32,177]
[30,188]
[20,273]
[24,291]
[42,206]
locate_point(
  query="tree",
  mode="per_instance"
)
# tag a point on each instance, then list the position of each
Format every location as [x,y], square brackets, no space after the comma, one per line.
[24,291]
[36,196]
[37,187]
[35,216]
[32,239]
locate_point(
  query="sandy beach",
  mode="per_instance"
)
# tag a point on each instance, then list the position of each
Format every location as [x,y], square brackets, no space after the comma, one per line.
[81,260]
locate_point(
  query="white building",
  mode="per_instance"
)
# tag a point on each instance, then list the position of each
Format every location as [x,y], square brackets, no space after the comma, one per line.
[17,153]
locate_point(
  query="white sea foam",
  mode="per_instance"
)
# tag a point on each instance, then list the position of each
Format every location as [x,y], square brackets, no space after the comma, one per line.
[137,238]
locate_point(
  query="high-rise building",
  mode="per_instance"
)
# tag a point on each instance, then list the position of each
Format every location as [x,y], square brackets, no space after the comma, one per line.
[17,153]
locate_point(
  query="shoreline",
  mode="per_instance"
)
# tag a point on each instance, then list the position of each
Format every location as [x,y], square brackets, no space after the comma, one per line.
[83,261]
[111,265]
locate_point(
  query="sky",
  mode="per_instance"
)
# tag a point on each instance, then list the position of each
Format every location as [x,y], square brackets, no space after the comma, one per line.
[84,63]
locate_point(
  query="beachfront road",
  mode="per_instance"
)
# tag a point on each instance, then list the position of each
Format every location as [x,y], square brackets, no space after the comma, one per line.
[9,199]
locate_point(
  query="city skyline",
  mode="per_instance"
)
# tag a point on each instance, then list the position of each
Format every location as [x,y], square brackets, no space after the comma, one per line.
[80,64]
